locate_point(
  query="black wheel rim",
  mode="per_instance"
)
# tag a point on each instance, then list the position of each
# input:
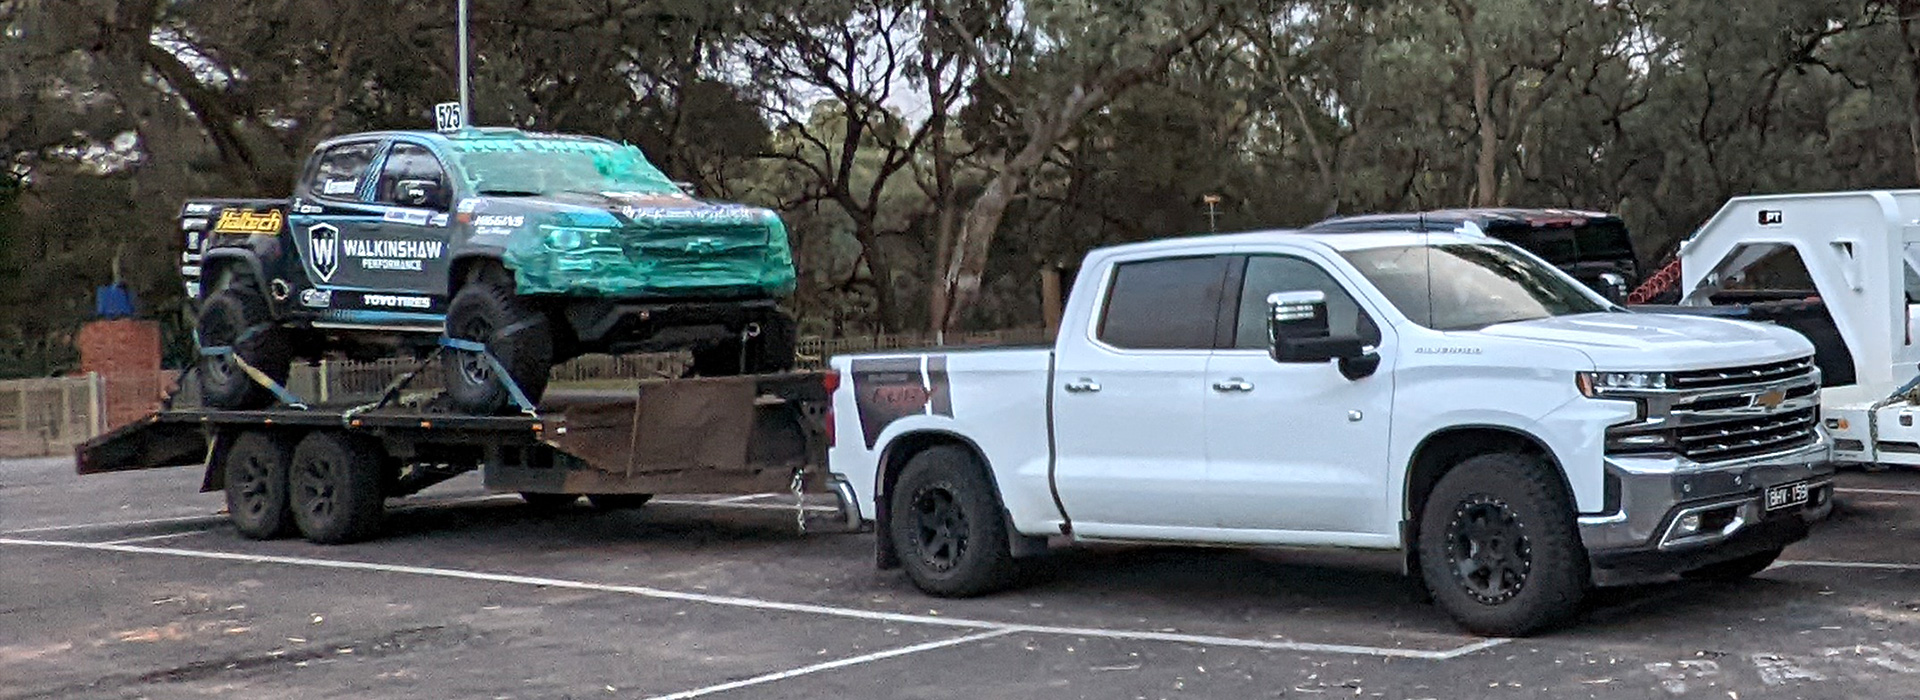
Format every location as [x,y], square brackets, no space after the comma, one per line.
[254,489]
[216,330]
[317,493]
[473,366]
[1488,550]
[940,528]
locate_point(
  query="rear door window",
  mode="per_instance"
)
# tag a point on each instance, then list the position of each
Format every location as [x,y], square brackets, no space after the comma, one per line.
[411,162]
[340,170]
[1166,304]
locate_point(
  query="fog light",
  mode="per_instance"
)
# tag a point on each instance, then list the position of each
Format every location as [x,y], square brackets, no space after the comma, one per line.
[1690,524]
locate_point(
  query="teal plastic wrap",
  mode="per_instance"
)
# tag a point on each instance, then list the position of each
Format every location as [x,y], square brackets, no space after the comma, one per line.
[699,251]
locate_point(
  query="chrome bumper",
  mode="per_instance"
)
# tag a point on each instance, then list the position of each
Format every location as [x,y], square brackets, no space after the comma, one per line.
[1651,498]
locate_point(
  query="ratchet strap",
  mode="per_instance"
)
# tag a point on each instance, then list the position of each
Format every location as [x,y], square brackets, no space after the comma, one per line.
[252,372]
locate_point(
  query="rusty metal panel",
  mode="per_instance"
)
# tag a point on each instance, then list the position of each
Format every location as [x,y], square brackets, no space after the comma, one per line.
[667,426]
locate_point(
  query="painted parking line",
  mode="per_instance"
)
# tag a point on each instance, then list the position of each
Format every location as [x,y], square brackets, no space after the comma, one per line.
[831,665]
[206,519]
[153,538]
[773,605]
[1880,492]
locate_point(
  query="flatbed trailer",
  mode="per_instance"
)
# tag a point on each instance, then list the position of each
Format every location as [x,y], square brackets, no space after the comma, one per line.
[327,470]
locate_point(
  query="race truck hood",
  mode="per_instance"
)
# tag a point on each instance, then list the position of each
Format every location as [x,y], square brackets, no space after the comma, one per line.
[1660,342]
[634,245]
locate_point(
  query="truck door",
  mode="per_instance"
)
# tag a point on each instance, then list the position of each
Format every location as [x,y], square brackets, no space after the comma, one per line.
[328,210]
[1130,458]
[406,253]
[1296,447]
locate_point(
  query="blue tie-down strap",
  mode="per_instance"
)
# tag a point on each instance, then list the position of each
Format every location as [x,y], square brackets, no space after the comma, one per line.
[254,373]
[499,371]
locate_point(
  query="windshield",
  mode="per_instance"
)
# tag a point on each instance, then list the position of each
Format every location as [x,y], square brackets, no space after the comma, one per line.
[1467,286]
[544,167]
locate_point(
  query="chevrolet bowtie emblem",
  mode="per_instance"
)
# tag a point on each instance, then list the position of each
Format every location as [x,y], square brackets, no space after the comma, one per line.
[703,245]
[1769,399]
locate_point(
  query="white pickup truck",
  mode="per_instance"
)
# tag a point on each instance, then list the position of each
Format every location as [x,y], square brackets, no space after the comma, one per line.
[1516,436]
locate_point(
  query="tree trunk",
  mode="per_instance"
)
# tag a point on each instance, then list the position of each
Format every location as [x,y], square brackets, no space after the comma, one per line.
[1486,176]
[1907,8]
[962,274]
[877,265]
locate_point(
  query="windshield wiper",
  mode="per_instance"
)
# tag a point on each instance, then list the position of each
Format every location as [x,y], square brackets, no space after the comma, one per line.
[509,193]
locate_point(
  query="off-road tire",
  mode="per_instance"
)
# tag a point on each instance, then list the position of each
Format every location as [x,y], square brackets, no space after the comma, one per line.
[255,471]
[335,487]
[947,526]
[1543,569]
[1735,569]
[514,331]
[618,501]
[548,501]
[223,318]
[770,352]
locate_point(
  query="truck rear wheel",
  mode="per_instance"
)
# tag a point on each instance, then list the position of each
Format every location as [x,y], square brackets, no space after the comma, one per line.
[515,333]
[225,320]
[1499,548]
[255,469]
[768,352]
[947,526]
[335,488]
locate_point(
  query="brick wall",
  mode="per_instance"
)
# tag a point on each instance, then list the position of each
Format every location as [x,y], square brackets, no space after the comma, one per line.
[126,354]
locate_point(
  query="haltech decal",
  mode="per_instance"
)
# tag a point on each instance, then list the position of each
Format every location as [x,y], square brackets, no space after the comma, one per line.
[886,390]
[249,222]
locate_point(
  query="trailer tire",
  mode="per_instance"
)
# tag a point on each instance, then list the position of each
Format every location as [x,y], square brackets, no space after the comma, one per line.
[224,317]
[336,493]
[548,501]
[514,331]
[947,526]
[1735,569]
[1499,548]
[255,469]
[770,352]
[618,501]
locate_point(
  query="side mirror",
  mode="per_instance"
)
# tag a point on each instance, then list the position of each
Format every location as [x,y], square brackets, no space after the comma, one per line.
[1613,286]
[1297,329]
[417,193]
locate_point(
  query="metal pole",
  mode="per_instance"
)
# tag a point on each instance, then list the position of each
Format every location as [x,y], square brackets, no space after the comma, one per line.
[466,109]
[94,407]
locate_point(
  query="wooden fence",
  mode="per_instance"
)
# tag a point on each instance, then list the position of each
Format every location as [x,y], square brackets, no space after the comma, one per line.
[48,416]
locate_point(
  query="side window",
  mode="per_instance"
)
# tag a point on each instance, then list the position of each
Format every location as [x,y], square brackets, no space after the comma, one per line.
[409,162]
[340,170]
[1267,274]
[1169,304]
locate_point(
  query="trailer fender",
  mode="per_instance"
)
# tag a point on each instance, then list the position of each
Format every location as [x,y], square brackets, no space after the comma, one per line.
[217,446]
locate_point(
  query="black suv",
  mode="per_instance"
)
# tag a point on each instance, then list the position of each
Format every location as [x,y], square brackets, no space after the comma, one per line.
[1594,247]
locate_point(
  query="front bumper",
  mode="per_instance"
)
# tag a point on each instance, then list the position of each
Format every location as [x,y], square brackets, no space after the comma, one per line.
[1642,536]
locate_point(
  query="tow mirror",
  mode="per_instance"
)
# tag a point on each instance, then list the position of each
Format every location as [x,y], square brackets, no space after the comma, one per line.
[417,193]
[1613,286]
[1297,332]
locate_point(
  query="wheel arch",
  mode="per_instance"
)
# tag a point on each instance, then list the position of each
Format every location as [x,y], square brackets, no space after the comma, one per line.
[893,460]
[1438,454]
[460,271]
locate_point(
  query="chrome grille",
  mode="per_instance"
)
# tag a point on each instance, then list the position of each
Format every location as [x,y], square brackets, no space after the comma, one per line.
[1740,376]
[1746,437]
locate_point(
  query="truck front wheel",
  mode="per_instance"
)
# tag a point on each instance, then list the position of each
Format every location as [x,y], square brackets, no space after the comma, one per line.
[947,527]
[1499,548]
[515,332]
[236,317]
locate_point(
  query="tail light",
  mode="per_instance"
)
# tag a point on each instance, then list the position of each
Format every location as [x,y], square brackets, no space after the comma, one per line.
[831,381]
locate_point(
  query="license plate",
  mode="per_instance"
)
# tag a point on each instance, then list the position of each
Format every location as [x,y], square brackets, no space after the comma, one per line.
[1788,495]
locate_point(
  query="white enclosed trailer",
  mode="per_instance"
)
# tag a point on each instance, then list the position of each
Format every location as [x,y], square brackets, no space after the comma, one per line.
[1859,249]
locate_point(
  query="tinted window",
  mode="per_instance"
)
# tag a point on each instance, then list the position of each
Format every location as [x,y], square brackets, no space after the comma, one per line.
[1469,286]
[340,169]
[1164,304]
[1267,274]
[410,162]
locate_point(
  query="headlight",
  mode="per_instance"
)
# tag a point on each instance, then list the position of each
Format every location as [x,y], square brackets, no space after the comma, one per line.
[1621,440]
[574,239]
[1596,384]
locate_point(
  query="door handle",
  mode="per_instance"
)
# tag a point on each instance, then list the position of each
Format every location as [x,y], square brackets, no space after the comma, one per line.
[1084,386]
[1233,385]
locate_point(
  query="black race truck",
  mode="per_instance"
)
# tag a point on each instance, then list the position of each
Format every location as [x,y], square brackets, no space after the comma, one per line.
[535,247]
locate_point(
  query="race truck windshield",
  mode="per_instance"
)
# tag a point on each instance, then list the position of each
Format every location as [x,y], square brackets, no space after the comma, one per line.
[1470,286]
[527,167]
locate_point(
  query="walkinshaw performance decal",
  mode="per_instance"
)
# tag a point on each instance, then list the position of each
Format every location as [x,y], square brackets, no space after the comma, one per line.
[888,389]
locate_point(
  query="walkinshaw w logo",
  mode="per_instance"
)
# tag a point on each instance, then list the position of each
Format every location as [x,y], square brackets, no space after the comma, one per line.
[323,245]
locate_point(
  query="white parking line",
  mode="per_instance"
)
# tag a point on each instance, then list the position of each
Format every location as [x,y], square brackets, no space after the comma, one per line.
[830,665]
[210,519]
[1894,566]
[1880,492]
[773,605]
[743,499]
[745,506]
[151,538]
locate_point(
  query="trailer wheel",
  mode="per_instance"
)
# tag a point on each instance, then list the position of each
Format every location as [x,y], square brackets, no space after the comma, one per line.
[336,493]
[1735,569]
[256,478]
[224,318]
[618,501]
[548,501]
[947,526]
[1499,549]
[516,333]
